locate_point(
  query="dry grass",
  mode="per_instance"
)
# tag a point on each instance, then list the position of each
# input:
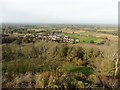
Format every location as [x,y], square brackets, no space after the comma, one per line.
[70,31]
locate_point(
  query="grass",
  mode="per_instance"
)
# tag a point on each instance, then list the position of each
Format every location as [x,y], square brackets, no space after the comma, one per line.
[83,70]
[92,33]
[72,35]
[86,39]
[108,30]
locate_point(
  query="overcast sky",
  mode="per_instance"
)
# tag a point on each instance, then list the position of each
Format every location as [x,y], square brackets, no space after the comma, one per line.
[60,11]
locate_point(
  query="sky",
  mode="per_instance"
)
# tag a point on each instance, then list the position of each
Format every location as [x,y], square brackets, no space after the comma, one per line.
[59,11]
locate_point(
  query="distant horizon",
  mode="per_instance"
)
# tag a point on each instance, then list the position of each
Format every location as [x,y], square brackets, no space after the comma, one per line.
[61,23]
[60,11]
[36,23]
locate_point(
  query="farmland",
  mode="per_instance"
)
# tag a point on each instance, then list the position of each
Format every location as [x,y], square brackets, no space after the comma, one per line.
[59,56]
[85,39]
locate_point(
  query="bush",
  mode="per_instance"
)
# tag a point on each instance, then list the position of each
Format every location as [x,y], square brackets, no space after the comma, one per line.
[9,39]
[92,41]
[57,58]
[21,66]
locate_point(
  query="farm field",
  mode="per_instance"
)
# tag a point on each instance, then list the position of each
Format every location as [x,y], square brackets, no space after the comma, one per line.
[108,30]
[85,39]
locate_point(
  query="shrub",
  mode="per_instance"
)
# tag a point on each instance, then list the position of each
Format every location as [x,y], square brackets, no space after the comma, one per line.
[91,41]
[9,39]
[21,66]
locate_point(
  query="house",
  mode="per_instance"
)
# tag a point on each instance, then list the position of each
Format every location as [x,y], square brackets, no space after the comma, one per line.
[77,41]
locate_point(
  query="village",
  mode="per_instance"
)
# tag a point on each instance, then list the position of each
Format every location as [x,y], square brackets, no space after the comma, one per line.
[56,36]
[59,36]
[24,34]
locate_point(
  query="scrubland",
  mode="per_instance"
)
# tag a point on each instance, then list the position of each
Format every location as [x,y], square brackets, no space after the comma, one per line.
[49,64]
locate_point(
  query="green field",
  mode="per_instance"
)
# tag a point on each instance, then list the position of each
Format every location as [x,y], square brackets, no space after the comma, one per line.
[86,39]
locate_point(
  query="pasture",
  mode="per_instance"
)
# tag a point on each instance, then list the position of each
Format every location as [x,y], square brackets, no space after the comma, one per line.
[85,39]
